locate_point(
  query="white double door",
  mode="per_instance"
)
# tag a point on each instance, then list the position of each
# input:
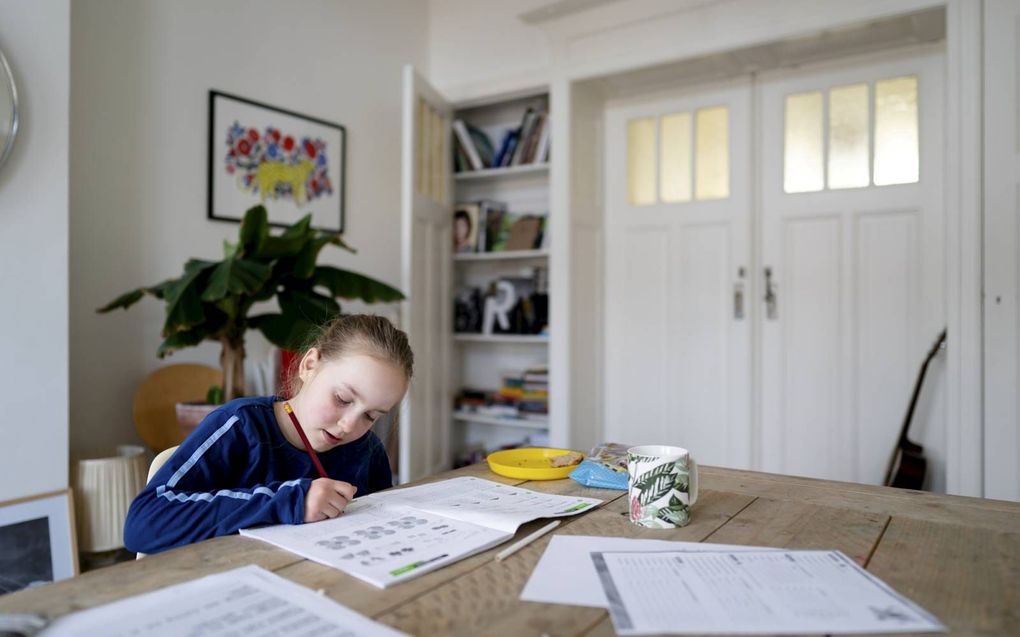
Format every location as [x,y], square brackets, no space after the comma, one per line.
[769,329]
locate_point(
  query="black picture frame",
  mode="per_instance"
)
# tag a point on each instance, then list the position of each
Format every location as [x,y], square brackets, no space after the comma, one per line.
[237,180]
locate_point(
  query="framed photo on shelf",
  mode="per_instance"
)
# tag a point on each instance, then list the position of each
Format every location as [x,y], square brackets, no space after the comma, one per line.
[465,227]
[291,163]
[37,541]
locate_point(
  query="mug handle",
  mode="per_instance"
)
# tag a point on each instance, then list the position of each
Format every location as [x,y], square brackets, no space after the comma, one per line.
[692,473]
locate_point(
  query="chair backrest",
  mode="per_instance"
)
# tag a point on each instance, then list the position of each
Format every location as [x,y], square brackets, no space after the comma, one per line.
[154,466]
[153,407]
[158,461]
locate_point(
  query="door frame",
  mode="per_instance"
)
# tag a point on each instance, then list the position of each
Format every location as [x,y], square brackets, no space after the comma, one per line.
[575,193]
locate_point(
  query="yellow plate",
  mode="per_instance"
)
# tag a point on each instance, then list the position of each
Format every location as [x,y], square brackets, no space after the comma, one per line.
[530,463]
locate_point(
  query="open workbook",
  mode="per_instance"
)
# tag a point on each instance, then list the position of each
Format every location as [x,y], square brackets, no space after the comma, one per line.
[388,537]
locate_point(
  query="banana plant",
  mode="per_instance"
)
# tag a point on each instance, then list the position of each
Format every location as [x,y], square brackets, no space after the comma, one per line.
[211,300]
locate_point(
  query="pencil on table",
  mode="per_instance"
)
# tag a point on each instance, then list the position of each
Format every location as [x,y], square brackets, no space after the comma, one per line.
[518,545]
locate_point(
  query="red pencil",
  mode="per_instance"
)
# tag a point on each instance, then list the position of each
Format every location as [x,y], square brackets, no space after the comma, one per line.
[304,440]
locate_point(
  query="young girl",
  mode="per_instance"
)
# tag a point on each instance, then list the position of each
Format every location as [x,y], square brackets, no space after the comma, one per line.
[246,466]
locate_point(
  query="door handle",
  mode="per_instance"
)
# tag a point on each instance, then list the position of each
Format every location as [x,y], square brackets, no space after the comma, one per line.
[738,295]
[771,312]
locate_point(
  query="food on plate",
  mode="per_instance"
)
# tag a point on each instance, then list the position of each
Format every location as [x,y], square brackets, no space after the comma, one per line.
[567,459]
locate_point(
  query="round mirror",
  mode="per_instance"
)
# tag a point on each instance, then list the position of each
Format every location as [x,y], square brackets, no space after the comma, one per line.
[8,109]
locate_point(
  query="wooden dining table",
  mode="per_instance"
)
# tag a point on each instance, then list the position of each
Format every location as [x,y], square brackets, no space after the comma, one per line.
[957,557]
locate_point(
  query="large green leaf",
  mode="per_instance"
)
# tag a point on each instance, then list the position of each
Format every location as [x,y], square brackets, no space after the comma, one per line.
[351,285]
[236,276]
[125,301]
[181,340]
[183,298]
[290,242]
[197,266]
[128,299]
[315,308]
[304,264]
[254,230]
[286,332]
[159,290]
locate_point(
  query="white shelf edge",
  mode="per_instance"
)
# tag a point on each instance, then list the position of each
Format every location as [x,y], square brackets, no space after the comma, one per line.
[507,422]
[501,338]
[499,256]
[509,171]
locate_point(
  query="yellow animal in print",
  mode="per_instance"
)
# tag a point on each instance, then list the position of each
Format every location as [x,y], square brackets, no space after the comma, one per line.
[270,173]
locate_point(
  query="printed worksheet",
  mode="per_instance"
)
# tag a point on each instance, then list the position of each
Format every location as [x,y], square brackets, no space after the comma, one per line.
[572,554]
[488,503]
[247,601]
[751,592]
[396,535]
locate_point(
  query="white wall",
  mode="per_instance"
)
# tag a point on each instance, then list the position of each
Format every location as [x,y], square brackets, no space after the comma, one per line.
[33,253]
[482,46]
[140,77]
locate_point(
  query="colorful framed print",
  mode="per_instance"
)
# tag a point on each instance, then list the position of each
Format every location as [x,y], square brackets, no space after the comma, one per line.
[37,541]
[292,164]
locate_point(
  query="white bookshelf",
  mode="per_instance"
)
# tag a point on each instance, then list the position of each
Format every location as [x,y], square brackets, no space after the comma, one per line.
[506,255]
[533,339]
[480,360]
[508,172]
[521,423]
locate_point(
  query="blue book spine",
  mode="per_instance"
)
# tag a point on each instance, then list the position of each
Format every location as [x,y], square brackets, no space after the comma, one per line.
[498,161]
[512,138]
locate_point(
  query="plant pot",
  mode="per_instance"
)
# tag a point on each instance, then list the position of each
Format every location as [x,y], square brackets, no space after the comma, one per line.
[190,414]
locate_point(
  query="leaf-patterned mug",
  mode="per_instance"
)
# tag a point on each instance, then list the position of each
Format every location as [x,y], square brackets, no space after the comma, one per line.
[662,485]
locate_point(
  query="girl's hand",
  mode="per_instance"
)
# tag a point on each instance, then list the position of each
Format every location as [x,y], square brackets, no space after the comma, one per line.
[327,498]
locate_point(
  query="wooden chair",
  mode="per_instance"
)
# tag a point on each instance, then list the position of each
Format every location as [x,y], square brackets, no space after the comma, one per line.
[153,408]
[157,462]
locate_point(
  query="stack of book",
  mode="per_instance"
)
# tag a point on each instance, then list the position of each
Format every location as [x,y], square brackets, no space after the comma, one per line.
[486,403]
[521,395]
[527,143]
[534,401]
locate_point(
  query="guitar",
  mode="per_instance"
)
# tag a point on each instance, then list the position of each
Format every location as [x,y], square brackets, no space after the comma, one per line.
[908,466]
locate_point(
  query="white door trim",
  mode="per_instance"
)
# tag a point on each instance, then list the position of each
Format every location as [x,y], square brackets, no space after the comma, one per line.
[964,247]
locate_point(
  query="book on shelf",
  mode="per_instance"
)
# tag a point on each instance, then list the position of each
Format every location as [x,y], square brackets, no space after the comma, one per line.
[542,149]
[476,144]
[482,144]
[396,535]
[515,137]
[491,216]
[533,137]
[465,144]
[506,147]
[461,162]
[522,136]
[531,147]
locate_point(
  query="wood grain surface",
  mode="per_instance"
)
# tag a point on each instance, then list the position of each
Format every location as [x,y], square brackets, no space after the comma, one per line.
[957,557]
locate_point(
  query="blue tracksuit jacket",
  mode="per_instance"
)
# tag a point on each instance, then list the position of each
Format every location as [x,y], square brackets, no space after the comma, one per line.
[238,471]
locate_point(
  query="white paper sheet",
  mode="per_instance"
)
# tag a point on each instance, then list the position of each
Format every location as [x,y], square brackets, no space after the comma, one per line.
[488,503]
[393,536]
[383,545]
[751,592]
[571,554]
[247,601]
